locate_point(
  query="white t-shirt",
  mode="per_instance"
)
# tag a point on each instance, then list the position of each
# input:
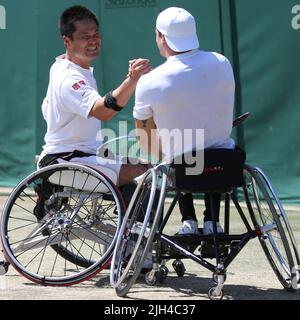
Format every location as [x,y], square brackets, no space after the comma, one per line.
[190,91]
[71,94]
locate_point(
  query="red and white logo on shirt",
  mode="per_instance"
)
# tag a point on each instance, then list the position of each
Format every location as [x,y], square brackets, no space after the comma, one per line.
[76,86]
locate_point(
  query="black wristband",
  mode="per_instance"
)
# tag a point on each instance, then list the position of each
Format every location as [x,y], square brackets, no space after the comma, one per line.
[111,103]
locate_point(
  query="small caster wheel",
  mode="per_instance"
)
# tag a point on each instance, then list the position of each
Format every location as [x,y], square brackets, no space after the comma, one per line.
[214,295]
[3,267]
[151,278]
[179,268]
[162,274]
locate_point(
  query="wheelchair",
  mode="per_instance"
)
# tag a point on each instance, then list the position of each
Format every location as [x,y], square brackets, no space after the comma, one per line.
[142,229]
[59,225]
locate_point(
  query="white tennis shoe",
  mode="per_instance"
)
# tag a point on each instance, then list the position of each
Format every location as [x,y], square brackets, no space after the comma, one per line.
[208,228]
[189,227]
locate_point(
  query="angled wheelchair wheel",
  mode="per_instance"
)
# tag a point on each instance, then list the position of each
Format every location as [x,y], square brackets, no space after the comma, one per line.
[282,217]
[137,232]
[273,228]
[60,224]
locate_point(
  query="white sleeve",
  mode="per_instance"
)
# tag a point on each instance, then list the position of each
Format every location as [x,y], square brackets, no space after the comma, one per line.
[78,97]
[142,109]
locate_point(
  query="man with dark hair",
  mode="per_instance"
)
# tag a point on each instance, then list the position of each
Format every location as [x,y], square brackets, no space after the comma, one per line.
[73,15]
[73,107]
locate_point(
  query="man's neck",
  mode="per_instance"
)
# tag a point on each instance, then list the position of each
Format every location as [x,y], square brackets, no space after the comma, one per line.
[171,53]
[79,62]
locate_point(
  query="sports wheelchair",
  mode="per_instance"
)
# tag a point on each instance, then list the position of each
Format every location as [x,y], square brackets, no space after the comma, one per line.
[142,229]
[59,225]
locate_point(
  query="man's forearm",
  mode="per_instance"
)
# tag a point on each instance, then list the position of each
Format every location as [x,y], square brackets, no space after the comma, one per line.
[124,92]
[122,95]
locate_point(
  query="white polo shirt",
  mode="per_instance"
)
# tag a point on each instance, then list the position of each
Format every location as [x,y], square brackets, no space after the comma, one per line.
[193,90]
[71,94]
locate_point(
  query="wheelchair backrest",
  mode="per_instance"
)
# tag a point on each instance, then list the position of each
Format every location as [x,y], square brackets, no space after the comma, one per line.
[222,171]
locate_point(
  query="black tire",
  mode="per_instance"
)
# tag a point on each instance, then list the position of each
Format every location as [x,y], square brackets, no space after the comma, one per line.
[71,236]
[137,232]
[179,268]
[272,226]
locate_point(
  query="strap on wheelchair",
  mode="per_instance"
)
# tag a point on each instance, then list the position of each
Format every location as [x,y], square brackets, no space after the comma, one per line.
[49,159]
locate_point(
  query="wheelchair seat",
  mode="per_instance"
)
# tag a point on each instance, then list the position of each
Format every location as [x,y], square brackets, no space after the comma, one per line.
[82,180]
[222,171]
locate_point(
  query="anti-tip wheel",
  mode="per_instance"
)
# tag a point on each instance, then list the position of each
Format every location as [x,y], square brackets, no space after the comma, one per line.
[179,268]
[162,274]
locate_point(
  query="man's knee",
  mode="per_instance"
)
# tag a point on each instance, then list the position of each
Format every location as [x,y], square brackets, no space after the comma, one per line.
[128,172]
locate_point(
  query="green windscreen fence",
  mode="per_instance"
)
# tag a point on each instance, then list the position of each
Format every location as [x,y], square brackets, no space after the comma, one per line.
[261,39]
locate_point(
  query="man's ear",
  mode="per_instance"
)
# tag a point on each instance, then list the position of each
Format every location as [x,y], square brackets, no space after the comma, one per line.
[162,37]
[66,41]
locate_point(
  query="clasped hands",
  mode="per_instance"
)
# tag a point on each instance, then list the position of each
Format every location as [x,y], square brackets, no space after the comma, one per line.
[138,67]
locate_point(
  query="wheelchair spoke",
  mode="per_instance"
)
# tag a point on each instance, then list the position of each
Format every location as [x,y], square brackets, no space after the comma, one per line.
[282,262]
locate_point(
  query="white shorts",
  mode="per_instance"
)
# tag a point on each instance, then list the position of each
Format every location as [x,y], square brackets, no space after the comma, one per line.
[110,168]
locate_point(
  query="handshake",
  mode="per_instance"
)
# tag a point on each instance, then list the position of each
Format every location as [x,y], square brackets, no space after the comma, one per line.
[137,68]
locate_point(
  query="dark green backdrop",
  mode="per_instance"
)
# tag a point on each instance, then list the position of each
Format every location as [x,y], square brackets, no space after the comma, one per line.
[257,36]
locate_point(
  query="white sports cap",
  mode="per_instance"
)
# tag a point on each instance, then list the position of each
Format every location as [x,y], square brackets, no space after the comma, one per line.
[179,28]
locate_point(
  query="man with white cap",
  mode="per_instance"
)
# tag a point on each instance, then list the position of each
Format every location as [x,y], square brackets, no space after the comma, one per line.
[192,90]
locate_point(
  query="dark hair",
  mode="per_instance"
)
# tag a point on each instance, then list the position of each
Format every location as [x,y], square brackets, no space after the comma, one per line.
[72,15]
